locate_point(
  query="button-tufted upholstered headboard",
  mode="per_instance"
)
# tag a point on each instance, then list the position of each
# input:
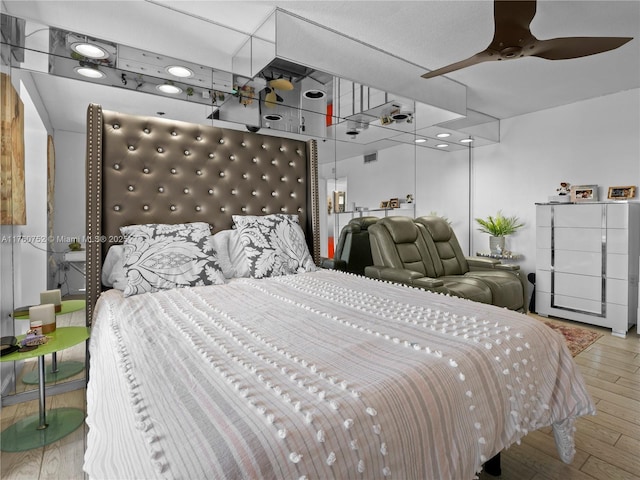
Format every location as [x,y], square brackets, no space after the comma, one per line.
[153,170]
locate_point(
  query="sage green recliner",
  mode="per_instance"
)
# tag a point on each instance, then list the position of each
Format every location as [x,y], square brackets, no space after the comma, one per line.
[400,254]
[508,285]
[425,253]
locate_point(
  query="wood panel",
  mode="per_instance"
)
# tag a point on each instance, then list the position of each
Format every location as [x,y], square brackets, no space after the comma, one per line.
[13,210]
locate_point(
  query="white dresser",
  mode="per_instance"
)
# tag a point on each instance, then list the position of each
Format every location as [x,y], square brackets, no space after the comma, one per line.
[587,260]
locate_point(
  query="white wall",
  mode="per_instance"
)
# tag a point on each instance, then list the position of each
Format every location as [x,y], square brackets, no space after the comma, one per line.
[391,176]
[591,142]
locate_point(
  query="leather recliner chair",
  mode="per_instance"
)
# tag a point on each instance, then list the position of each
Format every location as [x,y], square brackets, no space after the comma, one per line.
[400,254]
[404,250]
[508,285]
[353,251]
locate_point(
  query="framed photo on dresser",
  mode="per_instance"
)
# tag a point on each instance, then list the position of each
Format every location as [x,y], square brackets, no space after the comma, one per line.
[621,193]
[584,193]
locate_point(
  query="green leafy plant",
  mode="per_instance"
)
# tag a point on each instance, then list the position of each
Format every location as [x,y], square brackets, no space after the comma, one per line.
[435,214]
[499,226]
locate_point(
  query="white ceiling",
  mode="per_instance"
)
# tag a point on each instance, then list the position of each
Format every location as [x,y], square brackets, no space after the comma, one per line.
[429,34]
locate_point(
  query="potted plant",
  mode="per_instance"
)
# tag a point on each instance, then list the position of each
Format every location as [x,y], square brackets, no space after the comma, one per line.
[498,227]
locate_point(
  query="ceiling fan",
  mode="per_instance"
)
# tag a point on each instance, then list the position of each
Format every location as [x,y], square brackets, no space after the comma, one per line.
[271,98]
[513,39]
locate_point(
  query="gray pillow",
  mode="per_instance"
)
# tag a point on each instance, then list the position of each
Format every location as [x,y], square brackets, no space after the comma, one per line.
[161,257]
[230,251]
[274,245]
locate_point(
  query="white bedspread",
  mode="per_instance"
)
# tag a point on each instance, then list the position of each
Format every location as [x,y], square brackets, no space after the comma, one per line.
[318,375]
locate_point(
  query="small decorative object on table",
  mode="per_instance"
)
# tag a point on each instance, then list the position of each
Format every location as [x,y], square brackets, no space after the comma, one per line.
[75,246]
[409,198]
[52,296]
[45,314]
[32,338]
[563,194]
[394,203]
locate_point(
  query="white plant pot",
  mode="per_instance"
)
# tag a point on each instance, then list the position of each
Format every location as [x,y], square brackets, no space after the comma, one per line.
[496,244]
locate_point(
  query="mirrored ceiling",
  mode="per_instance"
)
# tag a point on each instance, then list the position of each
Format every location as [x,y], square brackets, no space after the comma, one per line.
[283,96]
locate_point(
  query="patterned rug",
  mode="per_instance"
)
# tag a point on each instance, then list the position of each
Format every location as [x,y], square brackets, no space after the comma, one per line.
[577,338]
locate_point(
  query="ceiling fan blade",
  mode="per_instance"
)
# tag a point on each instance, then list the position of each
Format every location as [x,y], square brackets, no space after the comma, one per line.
[512,39]
[484,56]
[281,84]
[270,99]
[576,47]
[512,20]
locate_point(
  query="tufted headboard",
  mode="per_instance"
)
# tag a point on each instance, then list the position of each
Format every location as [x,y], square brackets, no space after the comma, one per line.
[154,170]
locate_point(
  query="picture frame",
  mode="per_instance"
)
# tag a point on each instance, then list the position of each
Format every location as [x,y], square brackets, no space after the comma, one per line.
[622,192]
[584,193]
[384,204]
[339,201]
[394,203]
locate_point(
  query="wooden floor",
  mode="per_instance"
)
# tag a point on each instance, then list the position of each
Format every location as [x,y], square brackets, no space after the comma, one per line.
[608,444]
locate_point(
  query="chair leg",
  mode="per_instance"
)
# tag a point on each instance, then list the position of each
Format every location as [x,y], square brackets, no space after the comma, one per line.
[492,466]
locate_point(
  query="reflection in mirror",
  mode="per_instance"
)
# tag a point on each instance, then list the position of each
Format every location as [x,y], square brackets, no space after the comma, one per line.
[33,257]
[7,228]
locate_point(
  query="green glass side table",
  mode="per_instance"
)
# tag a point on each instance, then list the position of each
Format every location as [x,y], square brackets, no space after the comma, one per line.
[44,428]
[62,370]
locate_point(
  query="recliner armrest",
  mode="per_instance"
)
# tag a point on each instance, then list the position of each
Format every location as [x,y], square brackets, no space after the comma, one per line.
[507,266]
[484,263]
[333,264]
[400,275]
[429,283]
[392,274]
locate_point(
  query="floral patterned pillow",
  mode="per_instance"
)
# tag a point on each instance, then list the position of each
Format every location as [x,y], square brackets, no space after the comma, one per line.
[161,257]
[274,245]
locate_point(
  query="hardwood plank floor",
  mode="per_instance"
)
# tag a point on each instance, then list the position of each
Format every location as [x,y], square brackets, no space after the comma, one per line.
[607,444]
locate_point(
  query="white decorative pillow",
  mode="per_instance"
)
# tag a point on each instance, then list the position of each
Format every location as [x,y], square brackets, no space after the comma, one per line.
[160,257]
[113,272]
[273,245]
[231,255]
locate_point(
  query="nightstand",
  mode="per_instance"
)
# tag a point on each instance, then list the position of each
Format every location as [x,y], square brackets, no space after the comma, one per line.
[62,370]
[45,427]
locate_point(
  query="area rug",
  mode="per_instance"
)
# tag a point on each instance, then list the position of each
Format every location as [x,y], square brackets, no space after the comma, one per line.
[577,338]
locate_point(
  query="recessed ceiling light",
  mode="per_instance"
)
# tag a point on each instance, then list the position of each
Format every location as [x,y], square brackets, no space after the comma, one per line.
[89,50]
[420,140]
[443,135]
[466,140]
[179,71]
[89,72]
[272,117]
[167,88]
[400,116]
[314,94]
[442,145]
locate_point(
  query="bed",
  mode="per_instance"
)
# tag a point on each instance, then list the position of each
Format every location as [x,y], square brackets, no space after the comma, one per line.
[310,373]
